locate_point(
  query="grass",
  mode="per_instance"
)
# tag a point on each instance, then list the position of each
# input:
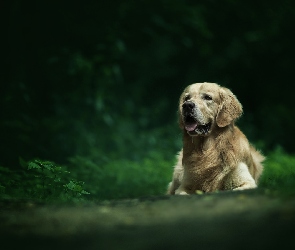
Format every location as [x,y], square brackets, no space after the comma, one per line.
[279,172]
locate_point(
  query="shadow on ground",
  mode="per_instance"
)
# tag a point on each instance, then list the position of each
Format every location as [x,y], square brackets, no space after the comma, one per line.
[228,220]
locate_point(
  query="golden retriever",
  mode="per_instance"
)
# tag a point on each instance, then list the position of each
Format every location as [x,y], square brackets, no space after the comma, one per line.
[216,155]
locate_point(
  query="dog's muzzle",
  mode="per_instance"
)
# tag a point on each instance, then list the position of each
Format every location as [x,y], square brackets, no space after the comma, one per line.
[193,119]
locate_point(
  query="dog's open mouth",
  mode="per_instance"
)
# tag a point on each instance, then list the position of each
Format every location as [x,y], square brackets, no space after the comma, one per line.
[192,126]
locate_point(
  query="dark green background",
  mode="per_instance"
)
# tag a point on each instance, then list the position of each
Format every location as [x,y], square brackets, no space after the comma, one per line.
[101,79]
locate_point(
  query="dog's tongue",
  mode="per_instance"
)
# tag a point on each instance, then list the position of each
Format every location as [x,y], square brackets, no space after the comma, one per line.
[191,127]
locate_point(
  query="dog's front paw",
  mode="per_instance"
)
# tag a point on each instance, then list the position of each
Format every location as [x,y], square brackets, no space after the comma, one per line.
[246,186]
[180,191]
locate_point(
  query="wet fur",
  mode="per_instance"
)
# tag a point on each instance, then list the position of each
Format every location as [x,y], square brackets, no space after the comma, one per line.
[221,160]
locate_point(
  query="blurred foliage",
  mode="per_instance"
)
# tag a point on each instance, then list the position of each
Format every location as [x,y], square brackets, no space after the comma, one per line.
[279,173]
[94,85]
[125,178]
[40,180]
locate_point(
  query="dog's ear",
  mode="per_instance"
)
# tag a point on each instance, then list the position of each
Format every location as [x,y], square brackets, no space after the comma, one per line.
[229,109]
[180,121]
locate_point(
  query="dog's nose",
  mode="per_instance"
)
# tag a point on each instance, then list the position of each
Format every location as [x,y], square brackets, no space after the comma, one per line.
[188,105]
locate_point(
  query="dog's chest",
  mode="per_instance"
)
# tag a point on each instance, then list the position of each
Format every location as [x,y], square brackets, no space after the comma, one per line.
[202,168]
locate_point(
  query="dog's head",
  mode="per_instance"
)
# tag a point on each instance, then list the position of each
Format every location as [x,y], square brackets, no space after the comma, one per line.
[203,106]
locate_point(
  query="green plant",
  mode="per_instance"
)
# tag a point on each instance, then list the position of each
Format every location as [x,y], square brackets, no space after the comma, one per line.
[279,171]
[124,178]
[42,180]
[74,189]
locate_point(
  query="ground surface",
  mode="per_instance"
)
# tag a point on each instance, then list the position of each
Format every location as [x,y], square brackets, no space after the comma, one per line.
[251,219]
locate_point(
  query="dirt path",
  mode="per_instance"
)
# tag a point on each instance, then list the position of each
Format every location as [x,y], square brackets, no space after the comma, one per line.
[228,220]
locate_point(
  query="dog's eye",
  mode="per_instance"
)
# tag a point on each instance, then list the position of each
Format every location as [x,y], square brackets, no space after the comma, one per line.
[207,97]
[186,98]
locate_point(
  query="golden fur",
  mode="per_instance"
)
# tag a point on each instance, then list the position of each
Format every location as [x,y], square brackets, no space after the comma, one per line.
[216,155]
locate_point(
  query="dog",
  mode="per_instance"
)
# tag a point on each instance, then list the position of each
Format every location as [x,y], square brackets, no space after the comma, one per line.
[216,155]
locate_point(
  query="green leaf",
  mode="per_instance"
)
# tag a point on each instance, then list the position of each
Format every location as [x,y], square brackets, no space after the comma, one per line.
[33,165]
[57,179]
